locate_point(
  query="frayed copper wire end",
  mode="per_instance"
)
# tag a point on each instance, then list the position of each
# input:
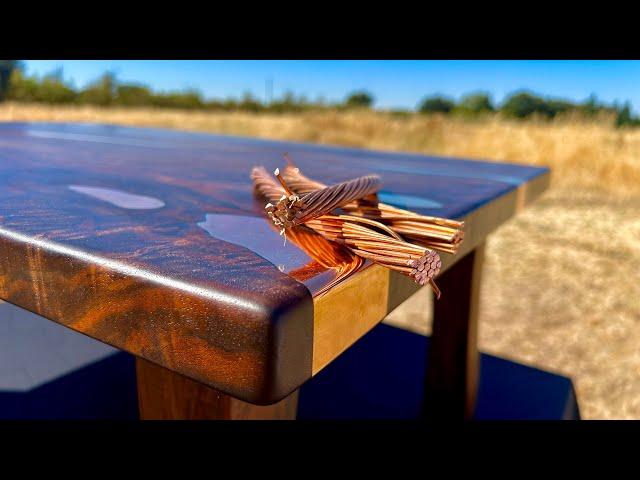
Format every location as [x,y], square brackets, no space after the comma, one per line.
[282,182]
[291,210]
[366,238]
[284,212]
[439,233]
[436,290]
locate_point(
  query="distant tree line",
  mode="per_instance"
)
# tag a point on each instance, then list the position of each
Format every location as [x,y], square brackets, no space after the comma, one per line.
[108,91]
[524,104]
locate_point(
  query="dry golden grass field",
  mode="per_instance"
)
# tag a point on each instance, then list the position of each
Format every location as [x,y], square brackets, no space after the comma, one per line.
[561,286]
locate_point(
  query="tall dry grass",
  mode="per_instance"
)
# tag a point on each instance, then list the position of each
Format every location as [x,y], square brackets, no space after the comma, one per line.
[561,283]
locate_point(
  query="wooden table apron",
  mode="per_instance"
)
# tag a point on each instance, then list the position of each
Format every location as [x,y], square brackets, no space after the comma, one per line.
[152,241]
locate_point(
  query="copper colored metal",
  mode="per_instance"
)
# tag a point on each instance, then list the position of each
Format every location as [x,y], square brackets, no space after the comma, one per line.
[295,209]
[434,232]
[326,253]
[363,237]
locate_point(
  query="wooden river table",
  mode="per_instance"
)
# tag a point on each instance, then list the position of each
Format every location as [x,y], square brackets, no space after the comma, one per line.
[152,241]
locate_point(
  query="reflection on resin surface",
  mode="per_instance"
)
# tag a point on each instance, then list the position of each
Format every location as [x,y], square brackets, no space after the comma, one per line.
[326,253]
[408,202]
[91,138]
[119,198]
[306,256]
[446,170]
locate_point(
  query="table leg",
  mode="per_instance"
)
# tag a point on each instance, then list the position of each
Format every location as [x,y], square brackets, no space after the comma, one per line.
[453,364]
[166,395]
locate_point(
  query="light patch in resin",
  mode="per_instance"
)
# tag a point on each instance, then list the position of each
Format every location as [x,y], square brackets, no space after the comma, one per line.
[255,234]
[119,198]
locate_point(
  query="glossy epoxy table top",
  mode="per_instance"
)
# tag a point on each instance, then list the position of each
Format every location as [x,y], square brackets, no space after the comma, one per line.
[152,241]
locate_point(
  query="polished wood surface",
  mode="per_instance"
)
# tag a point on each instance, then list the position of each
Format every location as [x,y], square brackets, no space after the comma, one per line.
[166,395]
[152,241]
[452,369]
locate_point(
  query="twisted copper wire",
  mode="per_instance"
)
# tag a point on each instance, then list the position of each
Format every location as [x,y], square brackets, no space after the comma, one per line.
[381,246]
[326,253]
[291,209]
[435,232]
[417,262]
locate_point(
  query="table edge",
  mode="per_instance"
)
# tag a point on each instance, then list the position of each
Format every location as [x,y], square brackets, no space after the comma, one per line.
[345,313]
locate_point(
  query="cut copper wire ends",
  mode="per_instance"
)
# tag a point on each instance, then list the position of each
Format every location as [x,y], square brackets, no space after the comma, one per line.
[365,237]
[291,210]
[438,233]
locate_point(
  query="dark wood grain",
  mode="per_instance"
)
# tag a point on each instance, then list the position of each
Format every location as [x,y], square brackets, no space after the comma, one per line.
[452,368]
[152,241]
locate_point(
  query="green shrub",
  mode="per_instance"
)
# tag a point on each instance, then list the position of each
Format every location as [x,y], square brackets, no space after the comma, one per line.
[54,90]
[7,67]
[436,104]
[590,107]
[359,99]
[625,118]
[287,103]
[133,95]
[475,103]
[249,103]
[189,99]
[22,88]
[524,104]
[101,92]
[50,89]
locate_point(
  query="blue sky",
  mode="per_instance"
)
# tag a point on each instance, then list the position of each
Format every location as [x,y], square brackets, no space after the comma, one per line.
[395,84]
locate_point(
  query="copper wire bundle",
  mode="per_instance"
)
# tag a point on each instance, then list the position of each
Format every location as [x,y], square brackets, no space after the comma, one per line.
[326,253]
[292,209]
[364,237]
[422,264]
[433,232]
